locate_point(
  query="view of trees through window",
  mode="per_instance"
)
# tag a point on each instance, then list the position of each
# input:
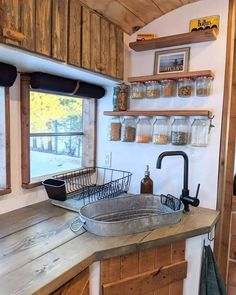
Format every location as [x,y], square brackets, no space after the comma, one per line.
[56,133]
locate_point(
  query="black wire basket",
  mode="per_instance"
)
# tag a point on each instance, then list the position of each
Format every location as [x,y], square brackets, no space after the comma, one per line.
[92,183]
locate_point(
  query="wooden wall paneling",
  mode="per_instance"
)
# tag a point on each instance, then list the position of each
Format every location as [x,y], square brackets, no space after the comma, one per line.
[27,21]
[25,129]
[43,27]
[77,286]
[74,42]
[166,6]
[105,46]
[231,290]
[120,54]
[129,265]
[232,274]
[86,38]
[232,254]
[10,20]
[110,270]
[95,39]
[177,255]
[60,29]
[113,51]
[224,198]
[146,10]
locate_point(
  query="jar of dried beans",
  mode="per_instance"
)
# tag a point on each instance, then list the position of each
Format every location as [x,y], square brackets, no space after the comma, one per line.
[185,87]
[168,88]
[144,130]
[114,129]
[161,130]
[180,131]
[128,129]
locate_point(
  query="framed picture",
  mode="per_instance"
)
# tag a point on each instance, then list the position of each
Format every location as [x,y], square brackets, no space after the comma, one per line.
[171,61]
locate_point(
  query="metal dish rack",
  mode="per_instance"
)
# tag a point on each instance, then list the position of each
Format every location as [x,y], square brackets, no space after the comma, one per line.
[91,183]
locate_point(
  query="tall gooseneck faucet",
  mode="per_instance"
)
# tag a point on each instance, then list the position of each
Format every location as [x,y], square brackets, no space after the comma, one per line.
[185,198]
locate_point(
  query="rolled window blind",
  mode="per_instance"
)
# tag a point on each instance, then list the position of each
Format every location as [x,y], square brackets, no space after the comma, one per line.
[8,74]
[59,85]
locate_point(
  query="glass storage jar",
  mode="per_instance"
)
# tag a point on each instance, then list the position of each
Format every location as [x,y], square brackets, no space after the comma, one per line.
[128,129]
[137,90]
[114,129]
[185,87]
[153,89]
[180,131]
[161,130]
[168,88]
[144,130]
[200,131]
[203,86]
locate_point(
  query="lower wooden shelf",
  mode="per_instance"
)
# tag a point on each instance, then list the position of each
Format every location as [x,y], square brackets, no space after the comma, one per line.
[153,113]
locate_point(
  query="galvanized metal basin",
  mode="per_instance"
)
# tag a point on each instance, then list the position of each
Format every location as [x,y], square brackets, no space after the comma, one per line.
[130,215]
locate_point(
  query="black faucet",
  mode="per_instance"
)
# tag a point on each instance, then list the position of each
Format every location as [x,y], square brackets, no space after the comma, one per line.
[185,198]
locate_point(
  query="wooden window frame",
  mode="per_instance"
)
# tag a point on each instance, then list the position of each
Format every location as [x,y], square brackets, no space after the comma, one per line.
[7,189]
[89,133]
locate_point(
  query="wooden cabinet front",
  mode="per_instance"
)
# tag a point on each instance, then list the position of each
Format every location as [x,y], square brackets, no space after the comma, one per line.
[149,272]
[79,285]
[66,31]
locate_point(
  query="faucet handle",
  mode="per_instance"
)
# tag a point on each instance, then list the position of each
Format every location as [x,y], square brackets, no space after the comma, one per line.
[197,192]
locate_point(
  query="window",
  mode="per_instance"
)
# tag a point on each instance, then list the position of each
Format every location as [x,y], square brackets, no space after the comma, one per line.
[4,142]
[58,133]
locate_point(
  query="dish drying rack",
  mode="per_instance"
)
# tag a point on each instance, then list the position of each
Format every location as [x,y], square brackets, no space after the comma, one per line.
[89,184]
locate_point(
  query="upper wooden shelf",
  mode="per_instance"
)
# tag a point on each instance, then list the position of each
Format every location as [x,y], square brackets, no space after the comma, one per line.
[175,40]
[153,113]
[193,75]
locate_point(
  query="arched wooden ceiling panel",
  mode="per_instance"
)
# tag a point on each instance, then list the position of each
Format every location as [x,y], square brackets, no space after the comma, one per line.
[131,15]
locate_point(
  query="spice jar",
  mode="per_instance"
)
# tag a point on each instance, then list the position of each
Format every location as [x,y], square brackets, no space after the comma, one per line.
[168,88]
[114,129]
[144,130]
[153,89]
[180,131]
[185,87]
[123,97]
[128,129]
[161,130]
[137,90]
[200,131]
[203,86]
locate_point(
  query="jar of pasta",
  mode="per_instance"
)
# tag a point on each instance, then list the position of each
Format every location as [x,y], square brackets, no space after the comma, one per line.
[185,87]
[153,89]
[137,90]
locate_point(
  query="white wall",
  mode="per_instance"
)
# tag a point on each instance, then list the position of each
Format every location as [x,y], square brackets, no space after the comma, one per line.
[203,161]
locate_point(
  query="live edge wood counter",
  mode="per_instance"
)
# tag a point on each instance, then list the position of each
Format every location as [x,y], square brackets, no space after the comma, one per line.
[39,253]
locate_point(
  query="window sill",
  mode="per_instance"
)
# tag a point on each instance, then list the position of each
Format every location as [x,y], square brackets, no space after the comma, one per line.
[31,185]
[5,191]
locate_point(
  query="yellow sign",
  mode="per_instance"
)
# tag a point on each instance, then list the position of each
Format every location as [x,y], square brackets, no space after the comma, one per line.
[208,22]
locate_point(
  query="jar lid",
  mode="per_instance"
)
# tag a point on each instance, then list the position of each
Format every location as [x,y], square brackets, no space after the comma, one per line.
[144,117]
[204,77]
[167,80]
[137,83]
[129,117]
[152,81]
[161,117]
[181,117]
[185,79]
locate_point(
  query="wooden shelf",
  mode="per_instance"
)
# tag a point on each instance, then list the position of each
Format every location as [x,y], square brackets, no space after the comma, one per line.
[153,113]
[193,75]
[175,40]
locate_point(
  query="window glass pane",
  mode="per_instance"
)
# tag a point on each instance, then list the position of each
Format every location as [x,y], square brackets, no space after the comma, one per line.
[55,113]
[59,150]
[55,154]
[2,140]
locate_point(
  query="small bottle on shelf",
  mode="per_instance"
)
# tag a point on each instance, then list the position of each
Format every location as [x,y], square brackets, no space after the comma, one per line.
[146,185]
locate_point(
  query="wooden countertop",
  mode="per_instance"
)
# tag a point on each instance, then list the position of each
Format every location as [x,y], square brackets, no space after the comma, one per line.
[39,253]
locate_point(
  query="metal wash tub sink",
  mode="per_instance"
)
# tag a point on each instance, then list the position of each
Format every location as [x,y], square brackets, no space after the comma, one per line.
[130,214]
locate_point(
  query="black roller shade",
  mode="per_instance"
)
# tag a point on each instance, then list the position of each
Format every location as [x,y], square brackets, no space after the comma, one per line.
[8,74]
[60,85]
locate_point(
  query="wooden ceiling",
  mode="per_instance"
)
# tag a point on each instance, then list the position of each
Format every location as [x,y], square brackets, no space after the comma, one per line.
[132,15]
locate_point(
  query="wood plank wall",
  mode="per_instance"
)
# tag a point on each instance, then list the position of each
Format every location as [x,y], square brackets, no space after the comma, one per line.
[156,271]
